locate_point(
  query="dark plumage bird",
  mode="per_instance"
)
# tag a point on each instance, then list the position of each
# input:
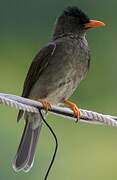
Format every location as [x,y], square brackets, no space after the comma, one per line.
[53,76]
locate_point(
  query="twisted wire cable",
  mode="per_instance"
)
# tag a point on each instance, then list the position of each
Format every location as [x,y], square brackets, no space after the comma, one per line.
[32,106]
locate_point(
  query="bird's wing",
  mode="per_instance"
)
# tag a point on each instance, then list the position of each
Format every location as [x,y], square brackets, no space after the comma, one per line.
[38,65]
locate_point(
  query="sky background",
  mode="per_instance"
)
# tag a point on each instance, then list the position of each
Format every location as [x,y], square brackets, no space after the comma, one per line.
[85,151]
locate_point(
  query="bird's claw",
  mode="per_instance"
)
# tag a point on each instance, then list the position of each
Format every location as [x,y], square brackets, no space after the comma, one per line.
[76,112]
[46,105]
[74,108]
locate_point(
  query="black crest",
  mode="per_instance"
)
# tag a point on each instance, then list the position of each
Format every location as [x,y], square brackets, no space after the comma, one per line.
[76,13]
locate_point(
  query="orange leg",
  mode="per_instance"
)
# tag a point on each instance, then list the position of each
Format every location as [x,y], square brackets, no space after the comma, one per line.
[74,108]
[46,104]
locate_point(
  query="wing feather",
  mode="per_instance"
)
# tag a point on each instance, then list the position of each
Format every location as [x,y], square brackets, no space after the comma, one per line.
[38,65]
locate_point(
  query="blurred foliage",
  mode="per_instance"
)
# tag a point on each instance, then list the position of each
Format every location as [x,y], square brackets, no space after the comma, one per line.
[86,152]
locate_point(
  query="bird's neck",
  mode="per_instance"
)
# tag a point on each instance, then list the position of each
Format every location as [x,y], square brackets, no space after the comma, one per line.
[68,34]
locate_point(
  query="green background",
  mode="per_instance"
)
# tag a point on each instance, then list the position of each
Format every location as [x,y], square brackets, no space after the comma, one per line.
[86,152]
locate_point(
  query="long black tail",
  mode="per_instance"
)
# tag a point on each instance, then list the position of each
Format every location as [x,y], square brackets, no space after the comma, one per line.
[26,151]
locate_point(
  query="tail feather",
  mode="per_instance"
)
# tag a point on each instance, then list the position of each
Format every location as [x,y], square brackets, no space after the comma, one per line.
[33,148]
[25,154]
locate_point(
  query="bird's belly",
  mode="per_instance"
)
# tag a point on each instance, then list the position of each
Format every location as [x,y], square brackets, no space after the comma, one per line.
[56,88]
[63,91]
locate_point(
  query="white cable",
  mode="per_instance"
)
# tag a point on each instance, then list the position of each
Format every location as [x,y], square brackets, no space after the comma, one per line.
[32,106]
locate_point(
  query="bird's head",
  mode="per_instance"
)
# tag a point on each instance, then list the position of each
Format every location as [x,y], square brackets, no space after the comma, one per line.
[73,20]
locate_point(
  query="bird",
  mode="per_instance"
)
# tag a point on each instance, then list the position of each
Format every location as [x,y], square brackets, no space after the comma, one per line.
[54,74]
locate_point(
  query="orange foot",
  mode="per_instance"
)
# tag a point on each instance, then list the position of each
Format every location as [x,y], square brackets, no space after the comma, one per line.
[74,108]
[46,105]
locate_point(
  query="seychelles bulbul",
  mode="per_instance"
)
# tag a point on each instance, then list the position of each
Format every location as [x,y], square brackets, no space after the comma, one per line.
[55,73]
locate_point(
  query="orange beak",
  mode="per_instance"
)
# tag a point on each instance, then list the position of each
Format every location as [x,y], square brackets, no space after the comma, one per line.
[94,24]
